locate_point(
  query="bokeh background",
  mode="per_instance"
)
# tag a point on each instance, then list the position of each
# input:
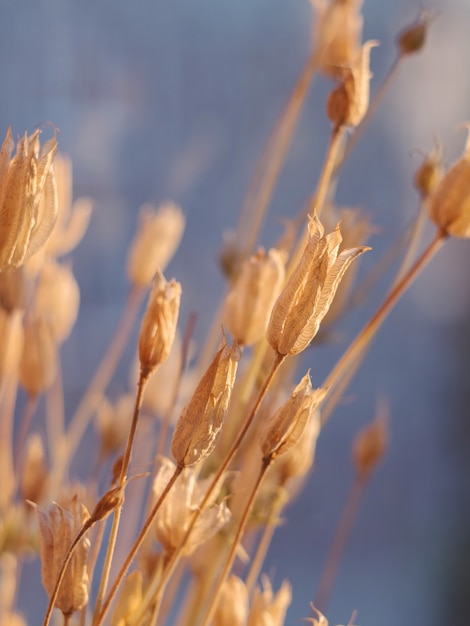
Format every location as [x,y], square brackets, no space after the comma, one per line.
[160,99]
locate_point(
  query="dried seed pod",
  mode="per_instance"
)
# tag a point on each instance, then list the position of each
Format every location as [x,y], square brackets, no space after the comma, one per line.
[177,510]
[112,423]
[309,291]
[248,305]
[449,204]
[232,608]
[58,528]
[158,328]
[57,298]
[370,445]
[412,38]
[283,430]
[109,502]
[34,476]
[38,365]
[428,174]
[25,221]
[156,241]
[199,425]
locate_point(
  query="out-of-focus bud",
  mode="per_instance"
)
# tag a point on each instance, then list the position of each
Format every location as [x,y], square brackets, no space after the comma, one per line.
[158,328]
[283,430]
[232,608]
[198,428]
[177,510]
[35,472]
[25,222]
[338,33]
[11,343]
[309,291]
[449,204]
[348,103]
[58,528]
[38,365]
[57,298]
[370,445]
[268,607]
[128,600]
[13,289]
[157,239]
[112,423]
[248,305]
[428,174]
[412,38]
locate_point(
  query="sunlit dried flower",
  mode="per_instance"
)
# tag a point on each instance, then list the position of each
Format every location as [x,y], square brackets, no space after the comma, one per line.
[58,528]
[157,239]
[348,103]
[25,222]
[309,291]
[35,472]
[179,506]
[248,305]
[38,365]
[198,427]
[283,430]
[57,298]
[267,607]
[128,600]
[338,33]
[158,328]
[232,608]
[449,204]
[369,445]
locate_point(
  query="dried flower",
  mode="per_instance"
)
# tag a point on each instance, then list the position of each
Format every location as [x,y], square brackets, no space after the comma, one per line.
[199,425]
[158,328]
[58,528]
[267,607]
[25,222]
[157,239]
[38,365]
[177,510]
[249,303]
[369,445]
[428,174]
[309,291]
[232,608]
[283,430]
[35,472]
[449,204]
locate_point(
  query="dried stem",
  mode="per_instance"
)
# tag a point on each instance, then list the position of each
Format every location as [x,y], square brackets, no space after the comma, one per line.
[262,549]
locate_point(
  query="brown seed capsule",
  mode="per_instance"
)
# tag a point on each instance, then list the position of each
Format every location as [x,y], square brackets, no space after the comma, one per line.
[110,501]
[248,305]
[198,427]
[284,429]
[38,364]
[157,239]
[309,291]
[449,204]
[370,445]
[25,222]
[412,38]
[429,174]
[158,328]
[58,527]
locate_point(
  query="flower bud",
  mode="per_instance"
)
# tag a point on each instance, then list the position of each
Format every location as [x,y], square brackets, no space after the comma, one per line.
[413,38]
[157,239]
[449,204]
[309,291]
[428,174]
[249,303]
[35,472]
[158,328]
[38,365]
[58,528]
[284,429]
[369,446]
[198,427]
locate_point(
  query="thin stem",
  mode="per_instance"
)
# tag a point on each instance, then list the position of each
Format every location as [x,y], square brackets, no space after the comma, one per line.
[261,551]
[231,555]
[104,373]
[138,542]
[318,201]
[362,340]
[52,600]
[157,585]
[339,542]
[122,480]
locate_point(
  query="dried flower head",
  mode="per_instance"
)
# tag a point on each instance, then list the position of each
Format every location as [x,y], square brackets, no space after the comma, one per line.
[370,445]
[156,241]
[232,609]
[198,428]
[449,204]
[248,305]
[34,476]
[25,221]
[158,328]
[285,428]
[58,528]
[38,365]
[177,510]
[429,173]
[267,607]
[309,291]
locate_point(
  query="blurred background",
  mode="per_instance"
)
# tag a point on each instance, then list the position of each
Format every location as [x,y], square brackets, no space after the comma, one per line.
[158,100]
